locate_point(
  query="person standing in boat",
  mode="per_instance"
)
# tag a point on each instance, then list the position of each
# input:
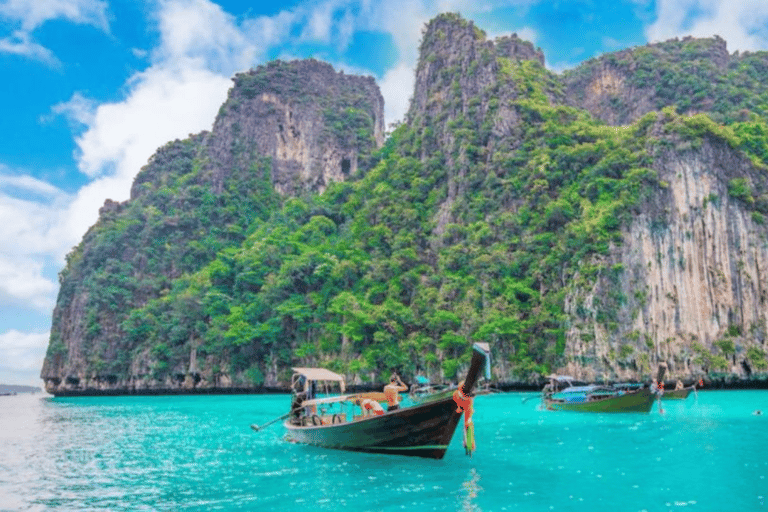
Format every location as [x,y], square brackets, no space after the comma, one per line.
[392,392]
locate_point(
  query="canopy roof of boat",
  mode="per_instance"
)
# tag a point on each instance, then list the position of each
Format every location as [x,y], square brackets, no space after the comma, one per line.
[580,389]
[319,374]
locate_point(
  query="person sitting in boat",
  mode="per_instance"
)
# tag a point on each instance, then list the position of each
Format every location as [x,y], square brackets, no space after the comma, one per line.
[297,407]
[370,406]
[392,392]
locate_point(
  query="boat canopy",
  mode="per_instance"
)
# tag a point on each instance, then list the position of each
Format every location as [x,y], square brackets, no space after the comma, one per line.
[320,374]
[580,389]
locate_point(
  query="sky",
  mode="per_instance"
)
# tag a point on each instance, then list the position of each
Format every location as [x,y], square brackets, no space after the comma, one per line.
[91,88]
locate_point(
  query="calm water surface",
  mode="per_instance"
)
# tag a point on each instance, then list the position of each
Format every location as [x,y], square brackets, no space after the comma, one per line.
[709,453]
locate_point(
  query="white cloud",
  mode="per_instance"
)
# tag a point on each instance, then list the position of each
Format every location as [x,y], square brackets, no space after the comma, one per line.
[28,15]
[22,356]
[23,283]
[20,43]
[29,184]
[30,212]
[28,216]
[319,23]
[33,13]
[397,89]
[201,33]
[79,110]
[268,31]
[163,105]
[742,23]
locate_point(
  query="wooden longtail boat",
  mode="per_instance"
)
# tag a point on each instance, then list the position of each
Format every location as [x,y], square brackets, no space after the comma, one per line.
[422,430]
[596,398]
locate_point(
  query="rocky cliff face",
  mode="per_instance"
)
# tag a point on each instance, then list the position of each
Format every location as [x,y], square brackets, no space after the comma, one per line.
[693,266]
[289,127]
[690,271]
[492,156]
[303,115]
[465,80]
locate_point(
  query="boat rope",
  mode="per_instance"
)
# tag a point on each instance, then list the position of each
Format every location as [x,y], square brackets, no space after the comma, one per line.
[465,403]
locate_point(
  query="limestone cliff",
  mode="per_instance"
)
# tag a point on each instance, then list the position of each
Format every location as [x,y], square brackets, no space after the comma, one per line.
[690,268]
[692,272]
[287,127]
[598,222]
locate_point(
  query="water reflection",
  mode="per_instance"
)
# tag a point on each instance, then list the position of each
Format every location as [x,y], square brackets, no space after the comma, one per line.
[470,491]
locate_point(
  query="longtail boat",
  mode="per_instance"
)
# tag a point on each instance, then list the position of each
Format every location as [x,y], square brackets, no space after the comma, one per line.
[561,395]
[422,430]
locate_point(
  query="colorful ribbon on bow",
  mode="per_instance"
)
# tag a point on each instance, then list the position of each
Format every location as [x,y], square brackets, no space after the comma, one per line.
[465,403]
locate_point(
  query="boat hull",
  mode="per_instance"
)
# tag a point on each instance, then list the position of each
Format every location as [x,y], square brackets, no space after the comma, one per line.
[638,401]
[422,431]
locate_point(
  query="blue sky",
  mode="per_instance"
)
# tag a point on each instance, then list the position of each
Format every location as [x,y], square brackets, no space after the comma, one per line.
[91,88]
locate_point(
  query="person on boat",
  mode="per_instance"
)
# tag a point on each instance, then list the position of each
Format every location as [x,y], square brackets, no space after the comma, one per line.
[679,385]
[370,406]
[392,392]
[297,407]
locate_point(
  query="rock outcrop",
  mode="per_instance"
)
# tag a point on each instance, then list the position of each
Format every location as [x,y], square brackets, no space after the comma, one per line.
[303,115]
[621,87]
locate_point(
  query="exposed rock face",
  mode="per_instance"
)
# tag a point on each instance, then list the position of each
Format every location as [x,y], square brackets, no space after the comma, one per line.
[621,87]
[459,69]
[694,264]
[459,79]
[301,114]
[693,261]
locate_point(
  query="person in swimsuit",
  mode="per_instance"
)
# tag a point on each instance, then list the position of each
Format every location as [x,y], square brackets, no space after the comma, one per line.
[392,392]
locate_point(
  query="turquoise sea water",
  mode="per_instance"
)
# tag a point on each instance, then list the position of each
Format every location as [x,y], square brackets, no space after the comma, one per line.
[170,453]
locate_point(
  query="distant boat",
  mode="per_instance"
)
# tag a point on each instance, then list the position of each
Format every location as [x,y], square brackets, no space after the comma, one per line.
[422,430]
[429,392]
[677,394]
[561,395]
